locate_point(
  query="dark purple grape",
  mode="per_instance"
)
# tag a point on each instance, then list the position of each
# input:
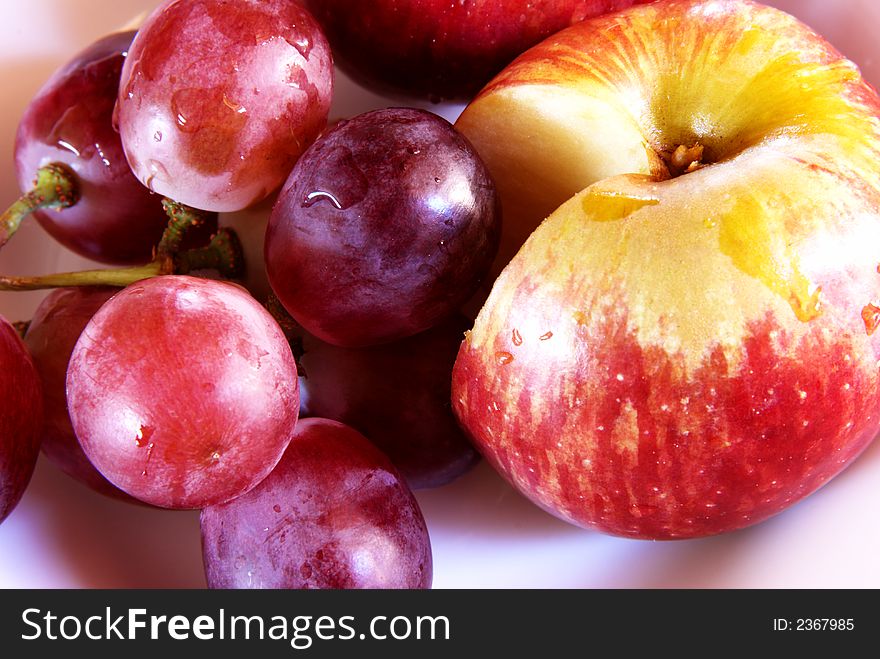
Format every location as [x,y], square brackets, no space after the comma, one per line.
[384,228]
[69,121]
[334,513]
[21,416]
[218,99]
[398,395]
[183,391]
[51,336]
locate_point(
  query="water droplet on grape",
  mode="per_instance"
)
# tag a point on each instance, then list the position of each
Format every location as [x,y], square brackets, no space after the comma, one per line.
[321,195]
[238,108]
[276,508]
[68,147]
[157,136]
[71,132]
[341,182]
[157,171]
[302,43]
[143,436]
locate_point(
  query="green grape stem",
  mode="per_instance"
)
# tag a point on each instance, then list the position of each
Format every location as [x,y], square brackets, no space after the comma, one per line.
[55,186]
[223,253]
[181,218]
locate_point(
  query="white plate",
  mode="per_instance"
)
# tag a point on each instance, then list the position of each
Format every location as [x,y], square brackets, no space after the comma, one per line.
[483,533]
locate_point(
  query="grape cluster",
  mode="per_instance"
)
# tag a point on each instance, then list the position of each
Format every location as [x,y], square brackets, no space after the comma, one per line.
[165,383]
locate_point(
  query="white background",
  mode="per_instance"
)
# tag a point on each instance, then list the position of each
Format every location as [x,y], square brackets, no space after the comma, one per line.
[483,533]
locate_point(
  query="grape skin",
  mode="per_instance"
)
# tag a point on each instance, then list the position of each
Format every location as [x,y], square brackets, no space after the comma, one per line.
[441,49]
[218,99]
[385,227]
[183,391]
[21,415]
[333,514]
[398,395]
[51,336]
[69,121]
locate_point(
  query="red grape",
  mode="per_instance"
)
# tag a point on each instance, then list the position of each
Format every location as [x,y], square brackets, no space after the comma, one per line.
[183,391]
[69,121]
[333,514]
[218,99]
[440,48]
[385,227]
[51,336]
[398,395]
[21,416]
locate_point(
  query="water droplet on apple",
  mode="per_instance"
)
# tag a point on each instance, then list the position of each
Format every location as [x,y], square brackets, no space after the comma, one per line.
[517,338]
[871,318]
[546,336]
[503,358]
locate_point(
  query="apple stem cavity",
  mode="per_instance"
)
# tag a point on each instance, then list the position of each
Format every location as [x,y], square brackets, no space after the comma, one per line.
[55,186]
[683,159]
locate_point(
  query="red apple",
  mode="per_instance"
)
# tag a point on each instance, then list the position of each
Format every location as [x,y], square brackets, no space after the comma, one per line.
[437,48]
[687,347]
[20,418]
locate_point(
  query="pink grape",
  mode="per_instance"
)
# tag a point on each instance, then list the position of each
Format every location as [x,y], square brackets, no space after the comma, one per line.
[218,99]
[183,391]
[333,514]
[21,416]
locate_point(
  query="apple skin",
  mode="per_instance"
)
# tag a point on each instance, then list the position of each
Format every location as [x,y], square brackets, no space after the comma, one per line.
[680,357]
[20,418]
[439,49]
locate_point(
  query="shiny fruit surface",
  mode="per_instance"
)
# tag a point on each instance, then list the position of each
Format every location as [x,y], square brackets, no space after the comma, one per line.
[218,99]
[687,350]
[183,391]
[333,514]
[385,227]
[69,121]
[20,418]
[51,336]
[439,49]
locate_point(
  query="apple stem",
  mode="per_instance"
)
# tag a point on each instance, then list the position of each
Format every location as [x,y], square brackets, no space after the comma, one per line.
[55,186]
[223,253]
